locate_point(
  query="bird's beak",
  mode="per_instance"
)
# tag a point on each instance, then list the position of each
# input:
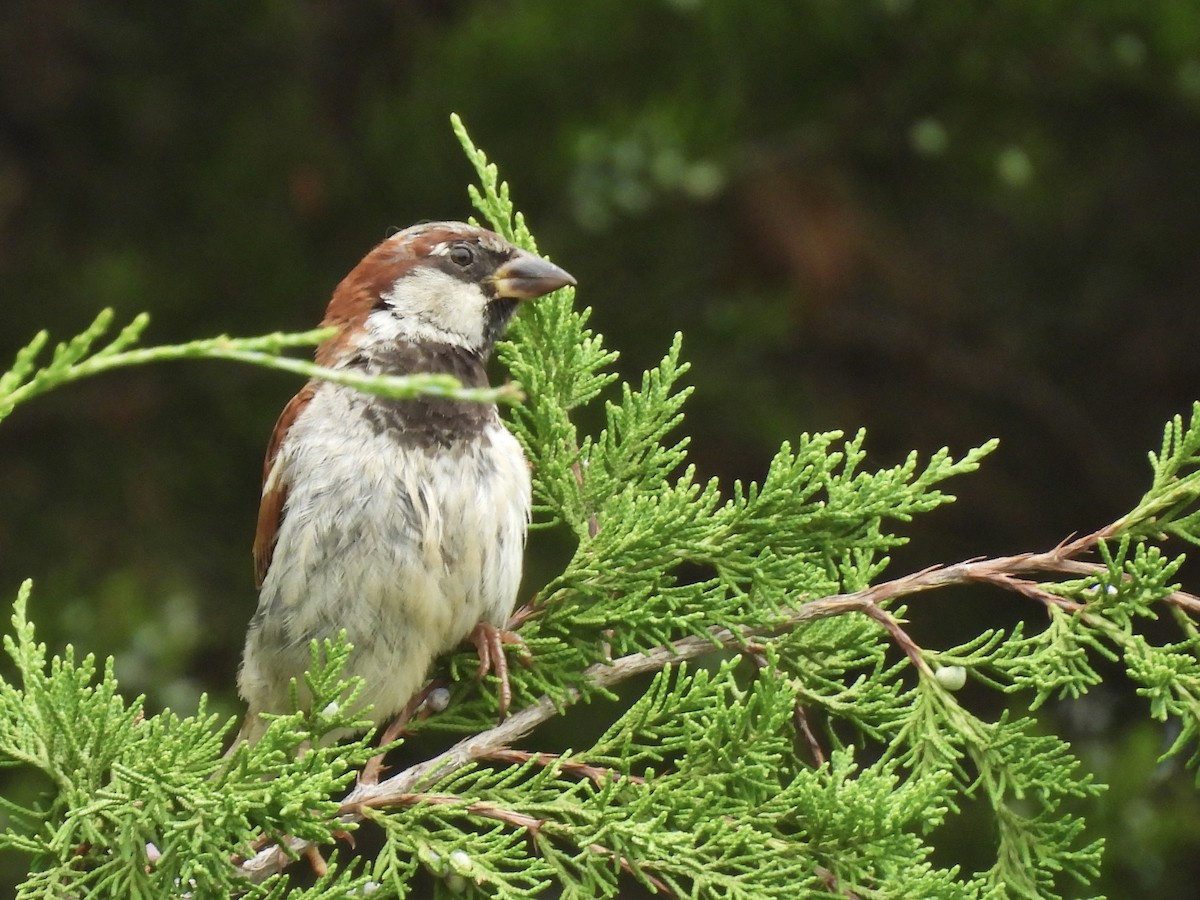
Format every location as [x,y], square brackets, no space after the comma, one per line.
[526,276]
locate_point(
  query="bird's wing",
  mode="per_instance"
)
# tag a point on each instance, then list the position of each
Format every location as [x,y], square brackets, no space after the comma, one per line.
[275,485]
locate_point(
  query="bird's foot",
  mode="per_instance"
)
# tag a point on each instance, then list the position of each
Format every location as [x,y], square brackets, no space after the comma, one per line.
[489,643]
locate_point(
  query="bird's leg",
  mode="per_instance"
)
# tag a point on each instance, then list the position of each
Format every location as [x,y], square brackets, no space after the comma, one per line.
[374,767]
[489,643]
[316,860]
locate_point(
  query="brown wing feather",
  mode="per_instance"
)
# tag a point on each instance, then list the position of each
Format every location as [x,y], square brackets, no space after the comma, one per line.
[270,508]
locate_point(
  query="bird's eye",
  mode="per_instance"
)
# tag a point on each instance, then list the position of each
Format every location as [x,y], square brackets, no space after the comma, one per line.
[462,255]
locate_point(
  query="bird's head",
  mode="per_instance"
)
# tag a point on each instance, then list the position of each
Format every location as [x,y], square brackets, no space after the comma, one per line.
[439,282]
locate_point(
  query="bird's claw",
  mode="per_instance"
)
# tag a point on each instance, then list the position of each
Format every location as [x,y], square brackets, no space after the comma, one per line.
[489,642]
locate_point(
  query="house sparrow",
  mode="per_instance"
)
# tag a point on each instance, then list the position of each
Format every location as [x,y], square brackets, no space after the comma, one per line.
[401,521]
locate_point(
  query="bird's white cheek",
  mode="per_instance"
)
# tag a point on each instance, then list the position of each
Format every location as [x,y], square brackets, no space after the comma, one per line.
[429,305]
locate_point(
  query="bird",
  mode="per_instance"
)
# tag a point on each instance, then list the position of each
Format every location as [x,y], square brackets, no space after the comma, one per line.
[401,522]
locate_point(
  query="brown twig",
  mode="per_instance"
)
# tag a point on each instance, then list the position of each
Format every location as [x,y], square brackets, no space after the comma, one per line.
[600,775]
[659,885]
[899,636]
[1185,601]
[800,719]
[1031,589]
[479,808]
[593,523]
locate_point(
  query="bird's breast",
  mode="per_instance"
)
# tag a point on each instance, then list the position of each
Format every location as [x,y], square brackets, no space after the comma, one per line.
[401,525]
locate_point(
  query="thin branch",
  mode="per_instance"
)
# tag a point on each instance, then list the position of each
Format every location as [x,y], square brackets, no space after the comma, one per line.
[1031,589]
[800,720]
[1185,601]
[260,351]
[477,808]
[593,523]
[599,775]
[899,636]
[626,865]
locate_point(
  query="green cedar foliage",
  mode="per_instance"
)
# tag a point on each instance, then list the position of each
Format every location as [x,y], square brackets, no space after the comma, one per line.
[712,782]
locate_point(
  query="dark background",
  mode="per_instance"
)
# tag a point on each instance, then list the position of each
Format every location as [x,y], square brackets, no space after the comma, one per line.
[943,221]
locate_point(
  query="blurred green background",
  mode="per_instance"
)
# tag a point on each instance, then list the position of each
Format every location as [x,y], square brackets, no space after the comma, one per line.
[940,220]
